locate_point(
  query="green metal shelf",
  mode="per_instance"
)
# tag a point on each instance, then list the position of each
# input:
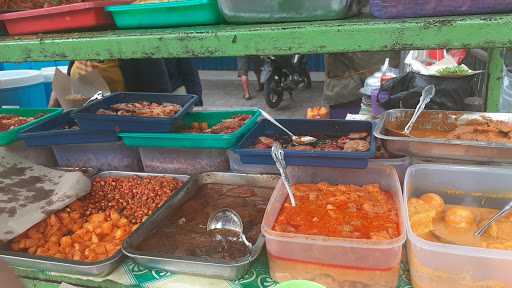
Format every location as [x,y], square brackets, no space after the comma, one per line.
[235,40]
[360,34]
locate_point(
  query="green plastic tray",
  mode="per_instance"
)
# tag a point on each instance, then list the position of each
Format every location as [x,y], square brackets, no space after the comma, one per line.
[7,137]
[195,141]
[167,14]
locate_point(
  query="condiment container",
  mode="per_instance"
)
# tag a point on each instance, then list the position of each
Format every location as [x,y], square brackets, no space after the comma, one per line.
[79,16]
[422,8]
[335,262]
[452,266]
[246,11]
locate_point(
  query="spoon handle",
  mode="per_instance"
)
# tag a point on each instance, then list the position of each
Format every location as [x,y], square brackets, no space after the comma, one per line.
[494,218]
[271,119]
[426,96]
[278,155]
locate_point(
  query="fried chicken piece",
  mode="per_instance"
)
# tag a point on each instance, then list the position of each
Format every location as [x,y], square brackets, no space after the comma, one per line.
[358,135]
[302,148]
[356,146]
[265,142]
[342,141]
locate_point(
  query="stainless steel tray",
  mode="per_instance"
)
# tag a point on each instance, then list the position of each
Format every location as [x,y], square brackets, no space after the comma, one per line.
[190,265]
[100,268]
[480,152]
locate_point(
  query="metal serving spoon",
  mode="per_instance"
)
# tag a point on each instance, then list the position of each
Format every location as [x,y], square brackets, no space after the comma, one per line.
[278,155]
[302,140]
[230,220]
[426,96]
[493,220]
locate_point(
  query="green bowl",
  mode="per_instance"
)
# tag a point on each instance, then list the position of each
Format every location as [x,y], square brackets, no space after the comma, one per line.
[299,284]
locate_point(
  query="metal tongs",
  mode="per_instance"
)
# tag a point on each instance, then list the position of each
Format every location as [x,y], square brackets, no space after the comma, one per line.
[493,220]
[98,96]
[278,155]
[427,95]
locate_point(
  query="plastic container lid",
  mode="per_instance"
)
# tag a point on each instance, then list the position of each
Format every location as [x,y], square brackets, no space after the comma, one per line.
[49,72]
[19,78]
[61,9]
[299,284]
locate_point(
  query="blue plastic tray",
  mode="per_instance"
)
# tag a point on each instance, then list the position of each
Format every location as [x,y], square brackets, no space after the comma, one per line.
[52,132]
[89,120]
[335,128]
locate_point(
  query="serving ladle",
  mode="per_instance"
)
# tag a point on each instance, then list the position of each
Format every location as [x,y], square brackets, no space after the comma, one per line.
[426,95]
[302,140]
[493,220]
[230,220]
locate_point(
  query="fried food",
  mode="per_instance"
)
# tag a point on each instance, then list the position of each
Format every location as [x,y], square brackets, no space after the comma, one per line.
[8,121]
[142,109]
[459,217]
[94,227]
[435,201]
[354,142]
[227,126]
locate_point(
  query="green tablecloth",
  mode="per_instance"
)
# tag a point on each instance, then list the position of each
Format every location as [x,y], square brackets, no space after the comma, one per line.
[130,274]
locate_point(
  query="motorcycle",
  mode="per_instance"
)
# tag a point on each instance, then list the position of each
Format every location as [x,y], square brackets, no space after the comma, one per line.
[283,74]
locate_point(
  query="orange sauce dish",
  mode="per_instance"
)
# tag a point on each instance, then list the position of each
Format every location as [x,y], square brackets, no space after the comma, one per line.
[342,211]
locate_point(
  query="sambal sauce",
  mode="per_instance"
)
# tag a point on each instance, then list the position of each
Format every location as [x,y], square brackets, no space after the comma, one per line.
[342,211]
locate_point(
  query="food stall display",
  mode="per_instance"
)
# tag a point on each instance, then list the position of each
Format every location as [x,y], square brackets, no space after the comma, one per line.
[85,237]
[348,248]
[469,136]
[177,239]
[443,216]
[351,220]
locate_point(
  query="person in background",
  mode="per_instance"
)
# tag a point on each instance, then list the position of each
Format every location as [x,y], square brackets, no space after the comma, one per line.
[177,76]
[345,75]
[244,64]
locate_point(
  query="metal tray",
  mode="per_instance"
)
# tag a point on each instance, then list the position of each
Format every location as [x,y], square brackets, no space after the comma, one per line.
[483,152]
[98,269]
[192,265]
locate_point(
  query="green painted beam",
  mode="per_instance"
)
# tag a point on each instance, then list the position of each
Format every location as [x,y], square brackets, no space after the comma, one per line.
[495,80]
[285,38]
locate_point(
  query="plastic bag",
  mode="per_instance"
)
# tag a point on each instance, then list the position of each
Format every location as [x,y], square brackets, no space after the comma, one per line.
[406,91]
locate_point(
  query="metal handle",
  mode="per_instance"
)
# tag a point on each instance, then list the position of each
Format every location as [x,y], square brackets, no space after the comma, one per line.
[271,119]
[278,155]
[494,218]
[97,96]
[426,96]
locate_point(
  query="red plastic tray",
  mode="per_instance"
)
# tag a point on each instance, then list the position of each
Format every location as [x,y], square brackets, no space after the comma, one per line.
[61,18]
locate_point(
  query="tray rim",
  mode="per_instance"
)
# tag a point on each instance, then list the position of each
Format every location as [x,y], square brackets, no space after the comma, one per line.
[379,131]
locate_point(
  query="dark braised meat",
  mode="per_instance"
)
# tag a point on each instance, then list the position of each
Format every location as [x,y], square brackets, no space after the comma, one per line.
[142,109]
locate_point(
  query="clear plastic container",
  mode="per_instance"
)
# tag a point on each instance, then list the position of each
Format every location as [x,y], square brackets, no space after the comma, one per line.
[247,11]
[452,266]
[113,156]
[335,262]
[400,164]
[422,8]
[184,161]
